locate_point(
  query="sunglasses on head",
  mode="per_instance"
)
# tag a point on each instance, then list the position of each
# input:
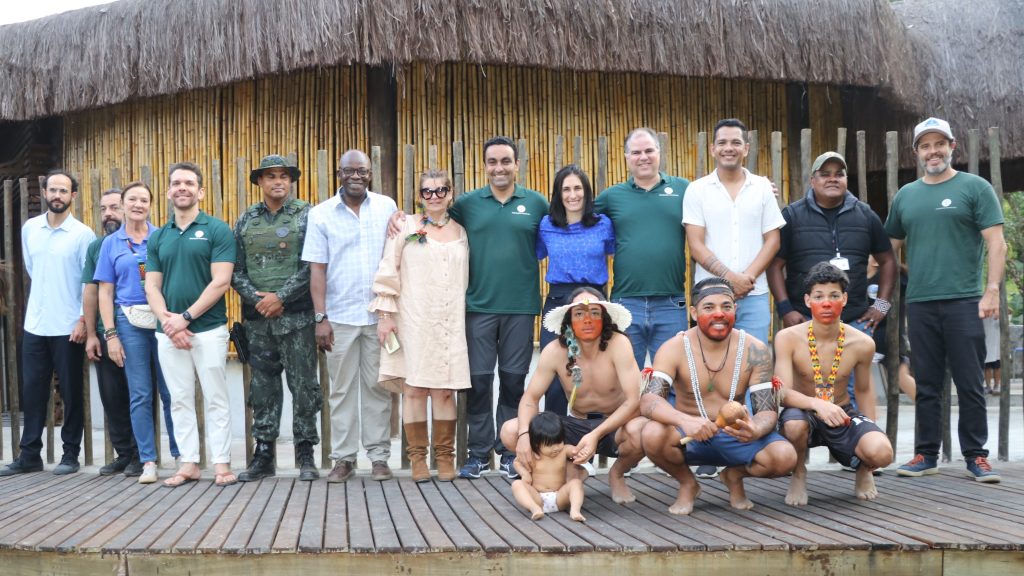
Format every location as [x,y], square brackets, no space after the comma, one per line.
[428,193]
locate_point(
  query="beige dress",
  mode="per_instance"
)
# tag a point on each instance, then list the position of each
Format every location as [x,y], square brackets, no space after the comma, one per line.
[424,285]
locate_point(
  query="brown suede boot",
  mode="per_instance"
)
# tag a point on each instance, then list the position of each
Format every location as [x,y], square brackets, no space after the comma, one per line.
[444,449]
[416,448]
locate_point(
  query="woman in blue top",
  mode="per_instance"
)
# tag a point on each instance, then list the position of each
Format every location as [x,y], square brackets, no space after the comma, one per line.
[576,243]
[120,271]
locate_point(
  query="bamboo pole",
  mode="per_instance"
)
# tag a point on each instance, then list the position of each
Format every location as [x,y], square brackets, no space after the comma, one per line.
[862,166]
[892,335]
[1005,346]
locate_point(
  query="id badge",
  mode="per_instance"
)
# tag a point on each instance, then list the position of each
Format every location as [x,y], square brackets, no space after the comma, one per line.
[841,263]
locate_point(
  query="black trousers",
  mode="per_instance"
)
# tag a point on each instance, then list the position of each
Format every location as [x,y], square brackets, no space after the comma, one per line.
[41,356]
[113,385]
[940,332]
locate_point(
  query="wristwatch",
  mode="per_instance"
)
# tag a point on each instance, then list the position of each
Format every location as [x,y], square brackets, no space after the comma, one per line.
[319,317]
[186,316]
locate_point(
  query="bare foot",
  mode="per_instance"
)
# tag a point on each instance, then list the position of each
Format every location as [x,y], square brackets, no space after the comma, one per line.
[687,496]
[732,477]
[797,494]
[621,494]
[538,515]
[864,485]
[575,515]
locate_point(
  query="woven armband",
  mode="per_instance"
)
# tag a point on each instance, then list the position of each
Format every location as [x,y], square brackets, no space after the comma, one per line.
[763,398]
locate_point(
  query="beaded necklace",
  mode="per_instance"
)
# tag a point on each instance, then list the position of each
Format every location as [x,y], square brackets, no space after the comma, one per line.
[695,380]
[821,389]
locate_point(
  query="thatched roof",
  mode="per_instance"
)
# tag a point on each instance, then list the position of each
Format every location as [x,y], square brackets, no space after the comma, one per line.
[973,56]
[134,48]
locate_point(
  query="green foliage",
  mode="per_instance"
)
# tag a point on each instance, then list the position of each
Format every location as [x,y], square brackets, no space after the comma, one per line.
[1013,230]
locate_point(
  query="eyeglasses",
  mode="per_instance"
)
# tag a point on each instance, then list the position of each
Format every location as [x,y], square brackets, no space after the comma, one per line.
[362,172]
[428,193]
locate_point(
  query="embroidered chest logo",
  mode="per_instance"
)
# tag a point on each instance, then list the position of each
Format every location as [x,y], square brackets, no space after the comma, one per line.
[946,204]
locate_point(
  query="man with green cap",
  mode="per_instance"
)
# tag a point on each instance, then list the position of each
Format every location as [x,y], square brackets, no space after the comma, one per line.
[273,282]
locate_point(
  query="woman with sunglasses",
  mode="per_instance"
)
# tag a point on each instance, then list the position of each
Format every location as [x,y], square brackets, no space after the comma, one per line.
[576,243]
[131,343]
[420,287]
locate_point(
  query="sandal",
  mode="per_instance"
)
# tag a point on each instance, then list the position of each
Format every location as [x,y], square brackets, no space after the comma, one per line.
[225,479]
[178,479]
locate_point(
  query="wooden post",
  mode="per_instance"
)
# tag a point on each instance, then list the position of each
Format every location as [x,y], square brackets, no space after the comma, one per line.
[601,181]
[376,179]
[559,152]
[323,192]
[409,197]
[11,318]
[95,194]
[1005,346]
[241,188]
[862,166]
[458,168]
[841,141]
[218,191]
[947,435]
[115,180]
[776,155]
[663,146]
[524,163]
[752,156]
[892,335]
[577,150]
[702,155]
[805,157]
[973,150]
[200,419]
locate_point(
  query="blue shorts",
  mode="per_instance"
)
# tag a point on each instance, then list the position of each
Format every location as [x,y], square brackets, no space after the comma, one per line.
[724,450]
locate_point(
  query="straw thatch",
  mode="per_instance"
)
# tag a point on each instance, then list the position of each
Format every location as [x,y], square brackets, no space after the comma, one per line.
[134,48]
[973,56]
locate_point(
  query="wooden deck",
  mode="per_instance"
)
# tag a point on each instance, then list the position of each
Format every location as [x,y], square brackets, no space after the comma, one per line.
[85,523]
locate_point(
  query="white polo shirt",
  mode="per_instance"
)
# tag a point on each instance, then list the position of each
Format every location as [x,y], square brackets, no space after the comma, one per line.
[733,229]
[54,258]
[351,245]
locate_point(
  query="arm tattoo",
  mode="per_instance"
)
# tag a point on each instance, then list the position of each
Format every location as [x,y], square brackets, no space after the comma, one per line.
[759,360]
[716,267]
[657,383]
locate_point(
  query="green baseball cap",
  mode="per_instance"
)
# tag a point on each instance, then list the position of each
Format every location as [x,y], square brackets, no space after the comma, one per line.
[274,161]
[820,161]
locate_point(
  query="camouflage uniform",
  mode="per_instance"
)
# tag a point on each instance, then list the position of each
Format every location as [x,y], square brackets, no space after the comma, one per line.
[269,260]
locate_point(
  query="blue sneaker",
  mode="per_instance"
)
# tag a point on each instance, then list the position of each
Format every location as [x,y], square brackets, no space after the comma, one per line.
[507,468]
[920,465]
[472,468]
[979,469]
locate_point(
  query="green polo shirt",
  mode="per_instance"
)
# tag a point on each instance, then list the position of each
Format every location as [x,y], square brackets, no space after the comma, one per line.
[89,270]
[650,244]
[184,258]
[942,226]
[504,277]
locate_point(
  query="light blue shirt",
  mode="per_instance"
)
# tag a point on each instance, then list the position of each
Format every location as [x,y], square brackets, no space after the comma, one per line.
[351,245]
[54,258]
[119,264]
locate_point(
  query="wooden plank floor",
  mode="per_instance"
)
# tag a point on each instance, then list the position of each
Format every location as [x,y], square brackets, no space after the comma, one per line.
[89,514]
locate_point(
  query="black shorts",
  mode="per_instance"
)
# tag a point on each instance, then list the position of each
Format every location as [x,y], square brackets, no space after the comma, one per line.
[577,428]
[840,441]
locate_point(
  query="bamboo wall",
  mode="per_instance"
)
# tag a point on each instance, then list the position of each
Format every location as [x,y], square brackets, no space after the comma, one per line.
[461,102]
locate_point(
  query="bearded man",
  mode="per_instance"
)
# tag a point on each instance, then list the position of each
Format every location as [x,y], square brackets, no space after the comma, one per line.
[818,408]
[593,360]
[684,435]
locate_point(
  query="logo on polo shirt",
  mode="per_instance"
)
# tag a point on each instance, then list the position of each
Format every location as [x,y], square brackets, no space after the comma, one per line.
[946,203]
[521,211]
[668,191]
[199,235]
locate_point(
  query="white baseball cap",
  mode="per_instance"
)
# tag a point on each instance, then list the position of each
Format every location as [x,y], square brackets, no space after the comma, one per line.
[932,125]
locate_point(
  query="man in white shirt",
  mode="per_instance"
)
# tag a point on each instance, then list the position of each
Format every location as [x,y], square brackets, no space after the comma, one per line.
[344,243]
[53,245]
[732,224]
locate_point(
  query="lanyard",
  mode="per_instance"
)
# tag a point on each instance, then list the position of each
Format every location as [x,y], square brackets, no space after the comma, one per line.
[139,261]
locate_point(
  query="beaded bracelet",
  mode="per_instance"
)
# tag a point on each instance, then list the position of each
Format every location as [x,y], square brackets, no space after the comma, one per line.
[882,305]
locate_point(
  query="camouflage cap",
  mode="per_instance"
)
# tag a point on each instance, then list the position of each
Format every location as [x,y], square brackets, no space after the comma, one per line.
[274,161]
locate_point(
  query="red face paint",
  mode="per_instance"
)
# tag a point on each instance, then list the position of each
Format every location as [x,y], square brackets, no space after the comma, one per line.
[716,325]
[587,325]
[826,311]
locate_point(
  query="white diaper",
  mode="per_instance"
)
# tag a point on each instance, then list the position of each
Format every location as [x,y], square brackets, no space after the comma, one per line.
[549,502]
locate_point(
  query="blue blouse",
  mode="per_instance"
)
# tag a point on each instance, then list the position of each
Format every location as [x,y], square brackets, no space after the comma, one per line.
[577,254]
[120,263]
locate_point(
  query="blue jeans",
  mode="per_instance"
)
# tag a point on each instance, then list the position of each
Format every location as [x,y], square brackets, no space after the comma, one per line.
[753,314]
[140,364]
[655,320]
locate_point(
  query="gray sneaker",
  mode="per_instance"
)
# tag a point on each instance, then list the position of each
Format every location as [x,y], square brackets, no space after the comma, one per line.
[68,465]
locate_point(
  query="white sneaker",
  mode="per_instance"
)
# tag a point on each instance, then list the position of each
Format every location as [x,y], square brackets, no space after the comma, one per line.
[148,473]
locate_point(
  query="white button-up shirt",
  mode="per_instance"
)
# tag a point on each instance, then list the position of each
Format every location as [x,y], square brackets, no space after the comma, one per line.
[351,245]
[54,258]
[734,229]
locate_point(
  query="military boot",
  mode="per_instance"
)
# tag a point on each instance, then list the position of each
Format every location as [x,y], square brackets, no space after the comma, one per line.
[262,464]
[307,466]
[416,448]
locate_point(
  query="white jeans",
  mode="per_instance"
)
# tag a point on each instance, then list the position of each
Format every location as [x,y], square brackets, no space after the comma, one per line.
[207,358]
[359,408]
